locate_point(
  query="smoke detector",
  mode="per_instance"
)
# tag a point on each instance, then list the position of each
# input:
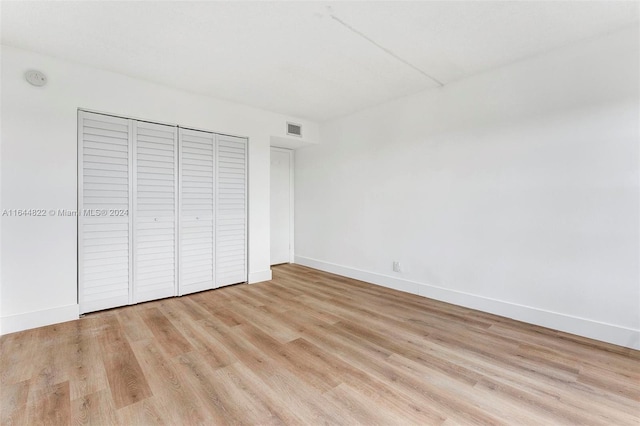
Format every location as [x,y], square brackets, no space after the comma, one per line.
[35,78]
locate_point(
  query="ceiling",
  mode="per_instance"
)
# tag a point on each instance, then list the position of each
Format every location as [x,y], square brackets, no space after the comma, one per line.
[315,60]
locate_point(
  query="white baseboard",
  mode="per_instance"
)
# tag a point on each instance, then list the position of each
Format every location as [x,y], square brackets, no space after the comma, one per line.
[604,332]
[257,277]
[27,320]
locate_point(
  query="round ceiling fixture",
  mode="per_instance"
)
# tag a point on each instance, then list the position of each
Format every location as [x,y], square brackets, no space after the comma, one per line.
[35,78]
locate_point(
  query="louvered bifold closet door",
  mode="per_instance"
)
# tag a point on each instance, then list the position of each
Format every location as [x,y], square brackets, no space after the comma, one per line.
[104,197]
[155,211]
[197,167]
[231,210]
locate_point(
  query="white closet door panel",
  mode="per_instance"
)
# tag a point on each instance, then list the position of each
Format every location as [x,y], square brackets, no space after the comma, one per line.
[198,236]
[194,142]
[105,289]
[155,178]
[202,281]
[103,184]
[113,148]
[155,208]
[158,263]
[163,257]
[98,254]
[231,210]
[200,240]
[106,277]
[100,176]
[230,277]
[197,169]
[232,252]
[196,279]
[154,248]
[153,275]
[197,264]
[154,149]
[157,132]
[105,156]
[114,264]
[195,149]
[201,247]
[155,288]
[231,245]
[198,225]
[204,249]
[197,163]
[97,251]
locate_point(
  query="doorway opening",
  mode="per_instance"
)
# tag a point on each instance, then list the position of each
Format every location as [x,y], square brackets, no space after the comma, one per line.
[281,206]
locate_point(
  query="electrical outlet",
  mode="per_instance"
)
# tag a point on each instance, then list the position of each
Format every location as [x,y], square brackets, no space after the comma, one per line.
[396,266]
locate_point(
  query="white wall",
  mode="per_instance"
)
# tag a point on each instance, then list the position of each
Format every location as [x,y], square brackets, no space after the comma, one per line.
[515,192]
[38,265]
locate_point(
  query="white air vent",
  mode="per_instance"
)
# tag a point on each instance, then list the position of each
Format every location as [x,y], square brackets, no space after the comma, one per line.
[294,129]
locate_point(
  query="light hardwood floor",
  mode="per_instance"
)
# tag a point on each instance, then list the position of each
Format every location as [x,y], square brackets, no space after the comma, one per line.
[311,348]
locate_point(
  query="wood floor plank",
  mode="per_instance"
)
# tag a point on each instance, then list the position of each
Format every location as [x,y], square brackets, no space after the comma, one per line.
[127,382]
[14,408]
[273,400]
[52,359]
[172,341]
[94,409]
[214,353]
[270,324]
[241,400]
[361,407]
[87,374]
[310,347]
[14,348]
[385,397]
[291,357]
[621,385]
[145,412]
[133,325]
[306,401]
[188,306]
[200,377]
[292,390]
[535,381]
[168,387]
[50,406]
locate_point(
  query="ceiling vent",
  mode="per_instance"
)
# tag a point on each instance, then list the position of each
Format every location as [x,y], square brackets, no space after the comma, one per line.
[294,129]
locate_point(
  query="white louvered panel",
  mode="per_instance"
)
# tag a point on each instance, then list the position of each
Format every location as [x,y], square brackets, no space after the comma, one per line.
[231,210]
[103,185]
[197,167]
[155,208]
[132,166]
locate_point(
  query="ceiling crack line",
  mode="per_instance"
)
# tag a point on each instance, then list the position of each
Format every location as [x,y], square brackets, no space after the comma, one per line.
[384,49]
